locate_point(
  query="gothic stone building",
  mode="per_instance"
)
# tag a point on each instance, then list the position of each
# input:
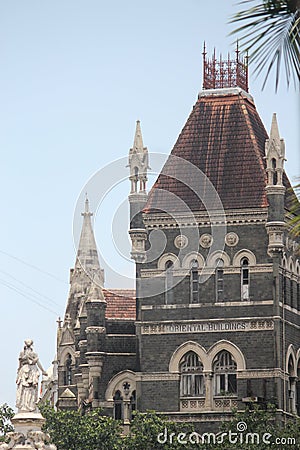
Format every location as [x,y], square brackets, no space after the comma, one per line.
[214,322]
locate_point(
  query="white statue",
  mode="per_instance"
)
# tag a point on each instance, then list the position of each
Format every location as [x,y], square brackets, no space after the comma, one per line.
[28,379]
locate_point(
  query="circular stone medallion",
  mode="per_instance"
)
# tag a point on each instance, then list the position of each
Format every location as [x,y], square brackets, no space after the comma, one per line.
[181,241]
[206,240]
[231,239]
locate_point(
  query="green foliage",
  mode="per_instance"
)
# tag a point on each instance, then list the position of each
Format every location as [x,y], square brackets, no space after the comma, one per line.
[151,431]
[270,33]
[263,428]
[70,430]
[6,413]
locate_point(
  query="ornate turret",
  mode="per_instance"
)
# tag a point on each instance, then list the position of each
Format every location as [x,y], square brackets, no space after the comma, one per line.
[275,157]
[138,164]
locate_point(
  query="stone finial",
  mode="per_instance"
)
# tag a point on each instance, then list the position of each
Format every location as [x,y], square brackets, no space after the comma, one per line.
[95,293]
[275,155]
[138,163]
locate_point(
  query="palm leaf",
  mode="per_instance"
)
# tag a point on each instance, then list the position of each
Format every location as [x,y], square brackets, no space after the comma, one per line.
[270,35]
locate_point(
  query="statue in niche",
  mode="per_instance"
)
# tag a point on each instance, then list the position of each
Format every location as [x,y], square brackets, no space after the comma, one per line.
[28,379]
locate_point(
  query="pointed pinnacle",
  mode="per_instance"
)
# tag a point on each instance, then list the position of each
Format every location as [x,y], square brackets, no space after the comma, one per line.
[274,133]
[95,293]
[138,139]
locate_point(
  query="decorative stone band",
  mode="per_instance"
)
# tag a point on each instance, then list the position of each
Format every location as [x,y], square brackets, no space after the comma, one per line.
[262,373]
[277,189]
[207,326]
[237,217]
[94,330]
[158,376]
[208,305]
[259,268]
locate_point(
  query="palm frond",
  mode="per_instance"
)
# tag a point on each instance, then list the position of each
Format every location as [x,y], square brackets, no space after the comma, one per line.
[270,35]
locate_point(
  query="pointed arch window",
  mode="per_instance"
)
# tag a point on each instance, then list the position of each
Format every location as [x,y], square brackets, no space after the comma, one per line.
[68,371]
[169,266]
[118,406]
[191,376]
[245,279]
[224,368]
[219,280]
[194,282]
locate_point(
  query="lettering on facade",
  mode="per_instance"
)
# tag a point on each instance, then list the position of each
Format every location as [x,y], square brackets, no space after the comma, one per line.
[206,327]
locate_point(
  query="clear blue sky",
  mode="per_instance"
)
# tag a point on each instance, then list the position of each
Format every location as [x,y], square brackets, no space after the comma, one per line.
[75,75]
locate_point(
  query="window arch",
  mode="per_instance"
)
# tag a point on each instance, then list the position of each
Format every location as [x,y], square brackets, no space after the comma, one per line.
[118,406]
[219,280]
[245,282]
[191,375]
[68,378]
[224,368]
[194,281]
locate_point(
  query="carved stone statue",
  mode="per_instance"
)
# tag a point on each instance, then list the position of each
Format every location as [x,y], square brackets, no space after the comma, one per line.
[28,378]
[28,421]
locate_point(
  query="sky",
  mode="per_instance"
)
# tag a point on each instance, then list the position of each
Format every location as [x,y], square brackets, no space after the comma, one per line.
[75,76]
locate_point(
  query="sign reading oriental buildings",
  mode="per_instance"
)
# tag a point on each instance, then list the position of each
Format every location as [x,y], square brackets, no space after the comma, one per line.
[208,326]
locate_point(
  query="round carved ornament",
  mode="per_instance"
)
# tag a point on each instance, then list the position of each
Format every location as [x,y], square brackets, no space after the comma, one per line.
[231,239]
[181,241]
[206,240]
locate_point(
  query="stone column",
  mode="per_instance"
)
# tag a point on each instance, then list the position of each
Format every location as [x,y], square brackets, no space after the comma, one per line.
[208,391]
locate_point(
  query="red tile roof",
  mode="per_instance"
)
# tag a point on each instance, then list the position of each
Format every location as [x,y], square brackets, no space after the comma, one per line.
[120,304]
[225,138]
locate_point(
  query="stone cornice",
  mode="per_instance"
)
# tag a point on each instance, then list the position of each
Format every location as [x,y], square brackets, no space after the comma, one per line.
[233,217]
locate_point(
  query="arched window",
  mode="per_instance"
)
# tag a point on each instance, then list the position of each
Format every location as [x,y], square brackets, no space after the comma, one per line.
[169,282]
[118,406]
[68,371]
[245,279]
[224,368]
[194,282]
[191,376]
[219,280]
[132,404]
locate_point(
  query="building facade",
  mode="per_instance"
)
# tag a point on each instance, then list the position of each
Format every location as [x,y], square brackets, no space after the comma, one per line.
[214,322]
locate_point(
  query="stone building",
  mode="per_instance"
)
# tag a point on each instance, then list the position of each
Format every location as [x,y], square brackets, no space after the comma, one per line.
[214,323]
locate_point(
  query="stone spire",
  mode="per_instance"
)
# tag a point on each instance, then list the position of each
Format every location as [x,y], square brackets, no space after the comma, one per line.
[87,255]
[87,267]
[138,138]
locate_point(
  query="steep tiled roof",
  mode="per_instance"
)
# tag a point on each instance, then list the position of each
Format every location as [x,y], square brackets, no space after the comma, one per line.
[225,138]
[120,304]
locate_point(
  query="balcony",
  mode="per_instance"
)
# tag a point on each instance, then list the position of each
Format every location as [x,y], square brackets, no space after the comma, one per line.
[224,403]
[192,404]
